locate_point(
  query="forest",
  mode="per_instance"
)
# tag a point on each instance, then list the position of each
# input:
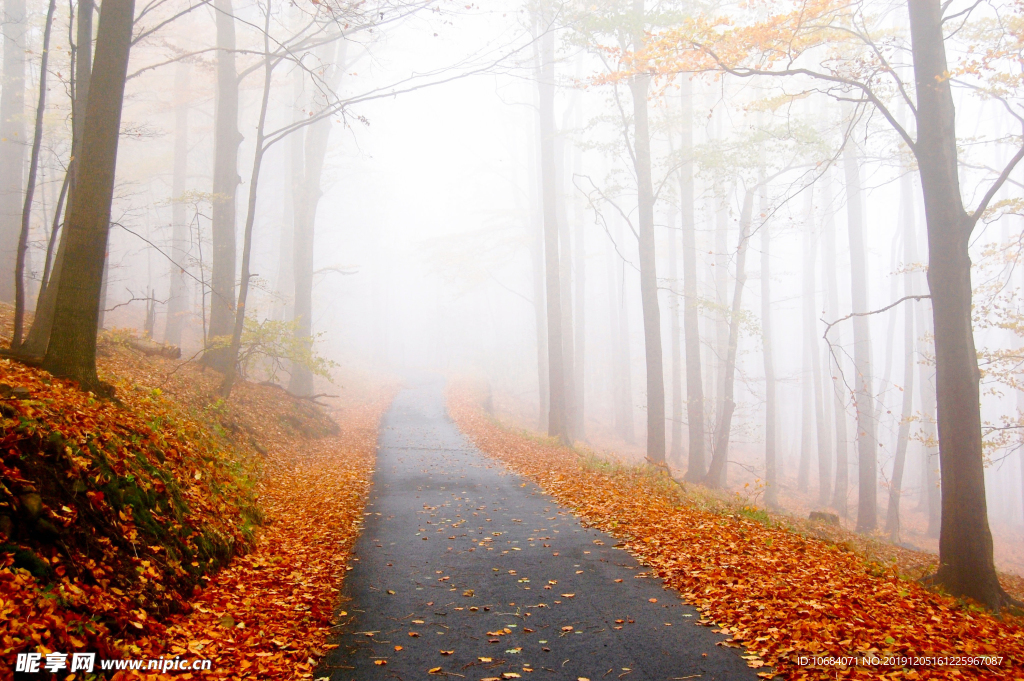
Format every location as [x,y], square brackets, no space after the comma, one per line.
[715,308]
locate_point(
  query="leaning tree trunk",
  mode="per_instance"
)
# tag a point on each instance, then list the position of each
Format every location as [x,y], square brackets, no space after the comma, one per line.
[557,417]
[42,323]
[695,466]
[966,565]
[235,344]
[307,200]
[12,141]
[177,302]
[30,187]
[71,351]
[226,140]
[771,482]
[892,514]
[723,427]
[867,443]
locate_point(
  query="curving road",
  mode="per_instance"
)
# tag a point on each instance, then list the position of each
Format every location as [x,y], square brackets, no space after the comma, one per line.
[466,567]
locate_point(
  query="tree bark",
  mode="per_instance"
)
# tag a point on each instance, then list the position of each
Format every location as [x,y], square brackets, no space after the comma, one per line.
[177,300]
[231,363]
[966,565]
[30,187]
[580,290]
[12,140]
[696,467]
[838,385]
[867,442]
[892,514]
[716,471]
[624,424]
[648,274]
[807,434]
[305,205]
[676,369]
[42,324]
[71,351]
[225,183]
[770,417]
[557,425]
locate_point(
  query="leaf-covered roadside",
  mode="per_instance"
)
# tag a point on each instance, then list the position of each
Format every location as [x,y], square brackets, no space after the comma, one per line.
[779,594]
[269,614]
[110,514]
[124,524]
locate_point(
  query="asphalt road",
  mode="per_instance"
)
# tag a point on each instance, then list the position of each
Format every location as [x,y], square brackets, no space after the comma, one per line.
[466,567]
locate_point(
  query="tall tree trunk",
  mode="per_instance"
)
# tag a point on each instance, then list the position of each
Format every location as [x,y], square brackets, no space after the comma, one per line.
[226,140]
[676,453]
[867,442]
[810,345]
[580,288]
[565,263]
[307,200]
[231,364]
[12,140]
[536,227]
[695,466]
[838,385]
[966,565]
[624,424]
[648,276]
[42,324]
[30,187]
[770,417]
[716,471]
[71,351]
[892,514]
[557,416]
[822,426]
[177,303]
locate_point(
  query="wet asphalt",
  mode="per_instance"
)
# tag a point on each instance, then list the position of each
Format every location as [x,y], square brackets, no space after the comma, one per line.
[466,570]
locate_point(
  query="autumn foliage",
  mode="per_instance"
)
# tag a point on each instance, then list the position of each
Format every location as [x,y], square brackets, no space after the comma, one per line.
[171,523]
[778,593]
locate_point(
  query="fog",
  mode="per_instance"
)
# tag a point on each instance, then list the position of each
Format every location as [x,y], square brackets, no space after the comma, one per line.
[428,250]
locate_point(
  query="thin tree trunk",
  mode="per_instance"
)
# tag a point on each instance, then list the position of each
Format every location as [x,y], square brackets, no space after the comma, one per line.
[307,200]
[966,564]
[580,271]
[71,351]
[565,263]
[30,188]
[696,466]
[929,453]
[42,323]
[557,424]
[716,471]
[807,434]
[867,442]
[231,368]
[892,514]
[822,426]
[536,226]
[838,385]
[648,275]
[624,399]
[177,303]
[226,140]
[770,417]
[52,241]
[676,453]
[12,141]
